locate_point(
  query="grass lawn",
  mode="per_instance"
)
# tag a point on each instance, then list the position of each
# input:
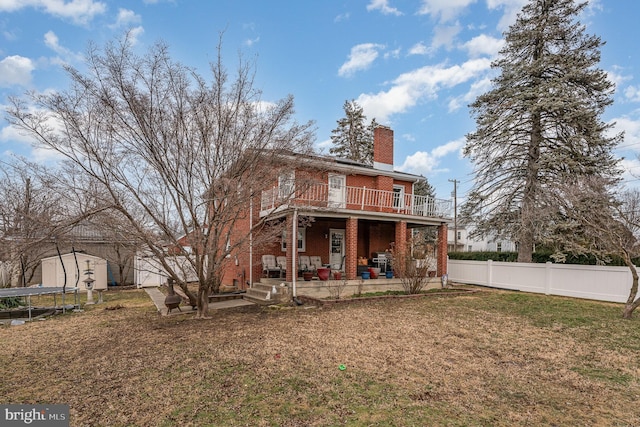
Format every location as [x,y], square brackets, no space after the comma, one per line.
[491,358]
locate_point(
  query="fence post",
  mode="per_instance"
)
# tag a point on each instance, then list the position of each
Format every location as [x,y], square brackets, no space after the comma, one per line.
[489,272]
[547,278]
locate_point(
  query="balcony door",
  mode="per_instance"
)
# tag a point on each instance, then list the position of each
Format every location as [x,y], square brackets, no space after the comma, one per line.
[336,248]
[337,191]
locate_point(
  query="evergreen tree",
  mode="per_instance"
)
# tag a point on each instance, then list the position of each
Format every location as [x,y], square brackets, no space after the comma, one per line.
[423,188]
[539,126]
[353,139]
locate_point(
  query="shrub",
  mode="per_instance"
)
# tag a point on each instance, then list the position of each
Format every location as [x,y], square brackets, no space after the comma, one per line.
[413,274]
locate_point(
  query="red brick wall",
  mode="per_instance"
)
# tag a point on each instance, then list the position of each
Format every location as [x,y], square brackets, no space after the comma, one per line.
[380,235]
[317,243]
[442,250]
[401,235]
[351,248]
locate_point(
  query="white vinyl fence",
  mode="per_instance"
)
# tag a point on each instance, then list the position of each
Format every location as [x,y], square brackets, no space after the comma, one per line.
[602,283]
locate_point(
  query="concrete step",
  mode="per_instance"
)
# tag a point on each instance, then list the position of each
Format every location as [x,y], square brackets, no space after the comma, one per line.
[259,301]
[262,294]
[263,286]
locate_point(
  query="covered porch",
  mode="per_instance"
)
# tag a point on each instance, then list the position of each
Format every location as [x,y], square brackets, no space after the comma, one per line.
[352,243]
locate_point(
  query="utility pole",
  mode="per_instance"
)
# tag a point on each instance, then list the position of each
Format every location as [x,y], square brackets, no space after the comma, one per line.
[455,214]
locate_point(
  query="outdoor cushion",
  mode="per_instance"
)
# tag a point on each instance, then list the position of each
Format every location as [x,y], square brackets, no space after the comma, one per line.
[316,262]
[269,264]
[304,263]
[281,261]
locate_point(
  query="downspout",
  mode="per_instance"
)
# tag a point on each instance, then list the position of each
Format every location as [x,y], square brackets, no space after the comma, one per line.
[294,251]
[250,243]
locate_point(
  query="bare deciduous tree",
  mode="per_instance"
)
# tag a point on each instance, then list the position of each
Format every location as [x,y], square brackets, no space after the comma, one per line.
[592,221]
[177,156]
[31,217]
[413,273]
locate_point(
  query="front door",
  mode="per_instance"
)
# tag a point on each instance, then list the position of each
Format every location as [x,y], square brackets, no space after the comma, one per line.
[337,191]
[336,248]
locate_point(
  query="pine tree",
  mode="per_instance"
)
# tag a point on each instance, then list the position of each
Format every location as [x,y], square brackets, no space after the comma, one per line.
[353,139]
[539,125]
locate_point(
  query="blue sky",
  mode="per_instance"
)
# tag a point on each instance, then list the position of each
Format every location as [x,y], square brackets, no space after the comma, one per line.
[413,65]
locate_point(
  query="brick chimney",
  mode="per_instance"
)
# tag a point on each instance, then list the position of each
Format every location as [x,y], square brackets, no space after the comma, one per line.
[383,148]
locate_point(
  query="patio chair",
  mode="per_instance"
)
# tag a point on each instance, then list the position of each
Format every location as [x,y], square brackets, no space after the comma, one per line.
[281,261]
[304,264]
[316,262]
[269,265]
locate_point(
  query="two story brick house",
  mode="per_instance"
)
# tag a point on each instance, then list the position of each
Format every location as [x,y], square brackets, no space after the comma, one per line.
[348,212]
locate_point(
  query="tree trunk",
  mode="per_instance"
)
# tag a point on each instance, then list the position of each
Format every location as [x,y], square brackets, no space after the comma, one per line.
[632,303]
[192,298]
[526,234]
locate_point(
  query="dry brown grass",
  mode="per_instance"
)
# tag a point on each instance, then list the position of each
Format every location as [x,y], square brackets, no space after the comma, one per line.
[491,359]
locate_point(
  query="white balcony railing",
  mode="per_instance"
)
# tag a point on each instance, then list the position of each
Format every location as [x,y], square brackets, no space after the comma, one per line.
[321,196]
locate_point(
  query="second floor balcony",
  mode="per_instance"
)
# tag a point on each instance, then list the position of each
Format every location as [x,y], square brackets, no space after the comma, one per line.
[331,198]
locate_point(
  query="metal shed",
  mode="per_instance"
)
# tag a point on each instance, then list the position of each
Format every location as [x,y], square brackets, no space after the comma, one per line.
[75,266]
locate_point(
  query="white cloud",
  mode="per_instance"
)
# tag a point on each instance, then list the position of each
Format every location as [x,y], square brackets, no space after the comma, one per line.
[477,88]
[79,11]
[617,76]
[10,133]
[418,49]
[15,70]
[418,85]
[631,128]
[424,162]
[251,42]
[360,58]
[135,33]
[483,45]
[444,36]
[629,148]
[395,53]
[52,42]
[126,18]
[26,145]
[511,9]
[631,171]
[383,7]
[342,17]
[444,10]
[324,146]
[632,93]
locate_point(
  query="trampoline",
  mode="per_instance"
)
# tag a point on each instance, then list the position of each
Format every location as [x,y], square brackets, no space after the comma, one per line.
[38,290]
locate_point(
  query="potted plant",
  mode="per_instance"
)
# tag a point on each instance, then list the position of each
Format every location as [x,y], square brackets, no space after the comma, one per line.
[323,273]
[307,275]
